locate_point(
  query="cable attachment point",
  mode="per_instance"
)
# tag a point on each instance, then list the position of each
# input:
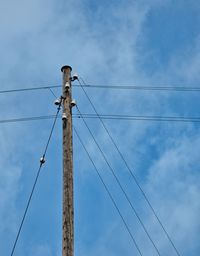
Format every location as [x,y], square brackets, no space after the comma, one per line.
[67,86]
[58,102]
[74,77]
[73,103]
[42,160]
[64,116]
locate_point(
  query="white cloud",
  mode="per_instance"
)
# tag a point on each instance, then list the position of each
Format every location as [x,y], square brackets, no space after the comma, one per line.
[43,35]
[173,188]
[10,174]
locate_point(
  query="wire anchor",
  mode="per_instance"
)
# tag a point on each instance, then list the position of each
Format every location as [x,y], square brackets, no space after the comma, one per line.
[42,160]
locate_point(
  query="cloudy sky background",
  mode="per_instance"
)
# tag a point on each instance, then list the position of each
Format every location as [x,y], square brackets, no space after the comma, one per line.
[151,43]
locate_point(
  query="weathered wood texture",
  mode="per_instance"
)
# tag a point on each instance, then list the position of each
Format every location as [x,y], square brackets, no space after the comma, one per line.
[68,206]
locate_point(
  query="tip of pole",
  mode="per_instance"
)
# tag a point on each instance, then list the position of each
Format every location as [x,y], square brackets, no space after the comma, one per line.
[65,67]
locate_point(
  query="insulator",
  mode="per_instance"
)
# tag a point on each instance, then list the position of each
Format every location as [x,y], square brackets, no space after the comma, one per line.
[73,103]
[42,160]
[74,77]
[64,116]
[57,102]
[67,86]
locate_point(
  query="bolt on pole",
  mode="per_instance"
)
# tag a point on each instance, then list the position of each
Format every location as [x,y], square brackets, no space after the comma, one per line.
[68,205]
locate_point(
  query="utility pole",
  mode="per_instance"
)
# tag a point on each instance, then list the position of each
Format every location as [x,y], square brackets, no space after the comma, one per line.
[68,206]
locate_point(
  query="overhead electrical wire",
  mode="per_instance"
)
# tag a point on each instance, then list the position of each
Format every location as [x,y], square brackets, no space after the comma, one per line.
[108,117]
[26,119]
[108,191]
[143,88]
[140,118]
[131,172]
[52,92]
[42,161]
[29,89]
[115,87]
[119,183]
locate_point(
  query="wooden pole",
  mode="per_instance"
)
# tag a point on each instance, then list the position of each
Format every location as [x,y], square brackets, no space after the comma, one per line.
[68,206]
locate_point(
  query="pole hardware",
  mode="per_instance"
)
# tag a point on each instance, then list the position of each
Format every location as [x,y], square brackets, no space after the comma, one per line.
[74,77]
[42,160]
[67,86]
[73,103]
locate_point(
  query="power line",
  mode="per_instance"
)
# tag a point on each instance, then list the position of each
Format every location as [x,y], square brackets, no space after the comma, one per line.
[108,117]
[131,172]
[140,118]
[109,193]
[25,119]
[143,88]
[52,92]
[30,89]
[119,184]
[115,87]
[42,161]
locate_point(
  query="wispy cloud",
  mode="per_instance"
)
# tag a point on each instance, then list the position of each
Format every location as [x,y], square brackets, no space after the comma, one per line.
[106,43]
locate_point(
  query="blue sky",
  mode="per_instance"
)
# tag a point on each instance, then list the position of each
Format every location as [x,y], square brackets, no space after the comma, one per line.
[151,43]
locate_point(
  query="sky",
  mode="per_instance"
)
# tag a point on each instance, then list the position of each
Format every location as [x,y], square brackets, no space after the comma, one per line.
[127,42]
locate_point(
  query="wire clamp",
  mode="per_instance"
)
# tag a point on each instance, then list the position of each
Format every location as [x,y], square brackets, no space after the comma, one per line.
[42,160]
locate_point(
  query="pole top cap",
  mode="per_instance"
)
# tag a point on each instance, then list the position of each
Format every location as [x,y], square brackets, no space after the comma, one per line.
[65,67]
